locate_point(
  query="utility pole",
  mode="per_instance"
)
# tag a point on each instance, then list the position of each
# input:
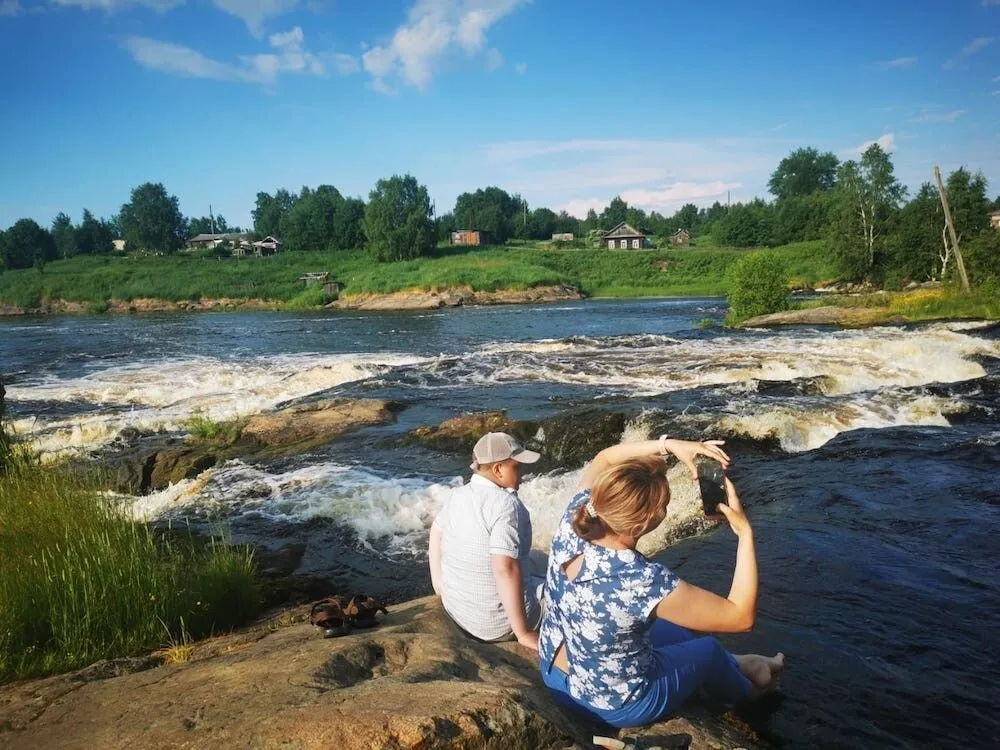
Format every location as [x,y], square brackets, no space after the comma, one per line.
[211,217]
[959,263]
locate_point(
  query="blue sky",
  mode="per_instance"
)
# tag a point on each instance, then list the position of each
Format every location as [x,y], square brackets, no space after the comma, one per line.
[568,102]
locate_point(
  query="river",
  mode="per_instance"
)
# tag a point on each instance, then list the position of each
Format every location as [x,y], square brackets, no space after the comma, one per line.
[867,459]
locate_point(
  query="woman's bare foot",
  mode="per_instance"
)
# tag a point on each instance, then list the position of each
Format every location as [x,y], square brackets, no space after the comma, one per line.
[762,671]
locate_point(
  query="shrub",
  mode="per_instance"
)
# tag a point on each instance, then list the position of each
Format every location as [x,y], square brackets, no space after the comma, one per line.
[81,581]
[757,284]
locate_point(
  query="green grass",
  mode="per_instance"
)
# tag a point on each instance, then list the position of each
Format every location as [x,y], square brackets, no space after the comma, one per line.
[692,271]
[923,304]
[204,428]
[81,581]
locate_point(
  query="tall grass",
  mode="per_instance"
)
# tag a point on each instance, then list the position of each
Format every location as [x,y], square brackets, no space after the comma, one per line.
[81,581]
[597,272]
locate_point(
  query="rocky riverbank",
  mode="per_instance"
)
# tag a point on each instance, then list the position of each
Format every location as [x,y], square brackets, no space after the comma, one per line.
[829,315]
[414,682]
[402,300]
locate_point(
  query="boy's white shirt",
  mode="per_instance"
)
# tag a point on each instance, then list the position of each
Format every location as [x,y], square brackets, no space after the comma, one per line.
[481,519]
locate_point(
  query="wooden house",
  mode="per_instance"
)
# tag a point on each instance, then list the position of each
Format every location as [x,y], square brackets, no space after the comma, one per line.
[472,237]
[212,241]
[562,237]
[625,237]
[681,237]
[995,220]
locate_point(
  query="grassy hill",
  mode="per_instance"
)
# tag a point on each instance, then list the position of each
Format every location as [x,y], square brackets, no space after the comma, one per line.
[682,272]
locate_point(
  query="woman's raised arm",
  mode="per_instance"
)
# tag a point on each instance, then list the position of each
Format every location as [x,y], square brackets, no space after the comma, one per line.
[684,450]
[697,609]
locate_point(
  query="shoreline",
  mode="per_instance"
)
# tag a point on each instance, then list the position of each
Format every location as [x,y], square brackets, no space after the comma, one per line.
[402,300]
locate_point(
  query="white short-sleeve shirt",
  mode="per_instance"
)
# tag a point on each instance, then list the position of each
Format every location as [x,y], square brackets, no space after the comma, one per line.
[479,520]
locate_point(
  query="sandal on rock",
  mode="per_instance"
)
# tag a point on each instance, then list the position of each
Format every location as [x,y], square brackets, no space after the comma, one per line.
[331,615]
[362,609]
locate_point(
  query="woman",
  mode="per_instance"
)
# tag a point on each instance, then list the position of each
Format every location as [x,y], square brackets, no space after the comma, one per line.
[613,644]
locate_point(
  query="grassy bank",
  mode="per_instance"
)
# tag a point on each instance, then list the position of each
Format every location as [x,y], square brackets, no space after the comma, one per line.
[689,271]
[923,304]
[80,581]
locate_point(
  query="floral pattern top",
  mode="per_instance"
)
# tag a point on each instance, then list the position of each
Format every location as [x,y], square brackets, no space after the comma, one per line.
[604,616]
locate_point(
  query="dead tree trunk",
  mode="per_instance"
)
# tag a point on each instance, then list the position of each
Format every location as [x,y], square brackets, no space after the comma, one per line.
[951,231]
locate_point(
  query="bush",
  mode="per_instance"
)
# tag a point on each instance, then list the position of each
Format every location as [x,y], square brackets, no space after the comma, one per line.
[81,581]
[757,284]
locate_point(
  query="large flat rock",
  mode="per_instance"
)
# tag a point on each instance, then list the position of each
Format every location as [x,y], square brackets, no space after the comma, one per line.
[413,683]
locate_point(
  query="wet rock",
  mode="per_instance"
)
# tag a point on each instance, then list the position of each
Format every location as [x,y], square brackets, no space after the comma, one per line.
[414,682]
[455,297]
[173,465]
[573,438]
[316,423]
[459,434]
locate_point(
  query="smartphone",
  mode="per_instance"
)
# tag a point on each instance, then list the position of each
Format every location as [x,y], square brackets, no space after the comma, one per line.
[712,483]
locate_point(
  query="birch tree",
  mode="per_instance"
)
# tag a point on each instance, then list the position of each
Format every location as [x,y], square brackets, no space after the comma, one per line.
[869,195]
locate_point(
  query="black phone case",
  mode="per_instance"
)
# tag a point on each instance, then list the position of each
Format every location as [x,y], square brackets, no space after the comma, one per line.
[711,483]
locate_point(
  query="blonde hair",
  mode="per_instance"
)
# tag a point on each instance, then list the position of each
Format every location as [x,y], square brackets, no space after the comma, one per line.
[627,498]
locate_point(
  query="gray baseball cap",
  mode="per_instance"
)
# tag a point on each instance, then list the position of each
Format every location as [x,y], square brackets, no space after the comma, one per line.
[499,446]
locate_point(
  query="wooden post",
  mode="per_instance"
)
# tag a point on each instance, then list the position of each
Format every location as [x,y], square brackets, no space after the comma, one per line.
[951,231]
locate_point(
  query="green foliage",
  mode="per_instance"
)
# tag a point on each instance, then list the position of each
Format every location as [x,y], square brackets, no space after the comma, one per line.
[913,249]
[982,258]
[270,211]
[151,221]
[25,244]
[867,204]
[81,581]
[322,219]
[756,284]
[397,220]
[802,218]
[802,173]
[746,225]
[203,225]
[202,427]
[64,235]
[492,210]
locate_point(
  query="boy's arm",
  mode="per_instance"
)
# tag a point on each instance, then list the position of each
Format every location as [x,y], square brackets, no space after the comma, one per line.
[434,556]
[507,573]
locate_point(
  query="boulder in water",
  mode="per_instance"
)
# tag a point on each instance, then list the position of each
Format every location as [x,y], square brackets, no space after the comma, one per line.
[459,434]
[306,425]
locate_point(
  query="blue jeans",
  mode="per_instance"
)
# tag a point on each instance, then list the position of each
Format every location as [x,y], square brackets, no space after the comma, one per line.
[681,664]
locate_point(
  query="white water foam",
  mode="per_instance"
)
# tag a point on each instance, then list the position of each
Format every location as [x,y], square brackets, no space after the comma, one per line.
[162,394]
[848,361]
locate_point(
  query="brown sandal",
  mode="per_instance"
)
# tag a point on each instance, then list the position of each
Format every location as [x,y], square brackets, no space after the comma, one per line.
[331,615]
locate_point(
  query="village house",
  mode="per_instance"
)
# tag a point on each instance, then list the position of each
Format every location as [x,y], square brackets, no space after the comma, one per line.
[625,237]
[562,237]
[212,241]
[995,220]
[472,237]
[263,247]
[681,237]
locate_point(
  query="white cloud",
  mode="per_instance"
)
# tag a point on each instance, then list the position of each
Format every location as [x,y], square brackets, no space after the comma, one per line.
[886,141]
[253,12]
[897,63]
[288,56]
[493,59]
[932,115]
[977,44]
[521,68]
[112,6]
[580,174]
[433,30]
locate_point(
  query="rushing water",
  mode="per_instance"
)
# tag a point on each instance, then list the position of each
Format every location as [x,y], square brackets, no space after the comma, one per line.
[868,461]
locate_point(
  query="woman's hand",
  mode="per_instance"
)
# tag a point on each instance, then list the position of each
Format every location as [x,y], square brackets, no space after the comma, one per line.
[732,509]
[687,450]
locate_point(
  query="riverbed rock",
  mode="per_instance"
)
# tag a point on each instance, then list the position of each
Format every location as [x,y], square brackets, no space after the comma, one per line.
[459,434]
[850,317]
[317,422]
[413,683]
[573,438]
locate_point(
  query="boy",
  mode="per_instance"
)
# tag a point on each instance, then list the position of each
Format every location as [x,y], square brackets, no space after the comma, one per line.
[479,548]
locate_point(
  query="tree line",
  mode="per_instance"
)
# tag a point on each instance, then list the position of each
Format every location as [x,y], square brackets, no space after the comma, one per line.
[859,208]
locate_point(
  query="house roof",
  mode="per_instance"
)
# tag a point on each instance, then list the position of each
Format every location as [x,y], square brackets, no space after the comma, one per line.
[994,213]
[681,231]
[268,240]
[213,237]
[623,230]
